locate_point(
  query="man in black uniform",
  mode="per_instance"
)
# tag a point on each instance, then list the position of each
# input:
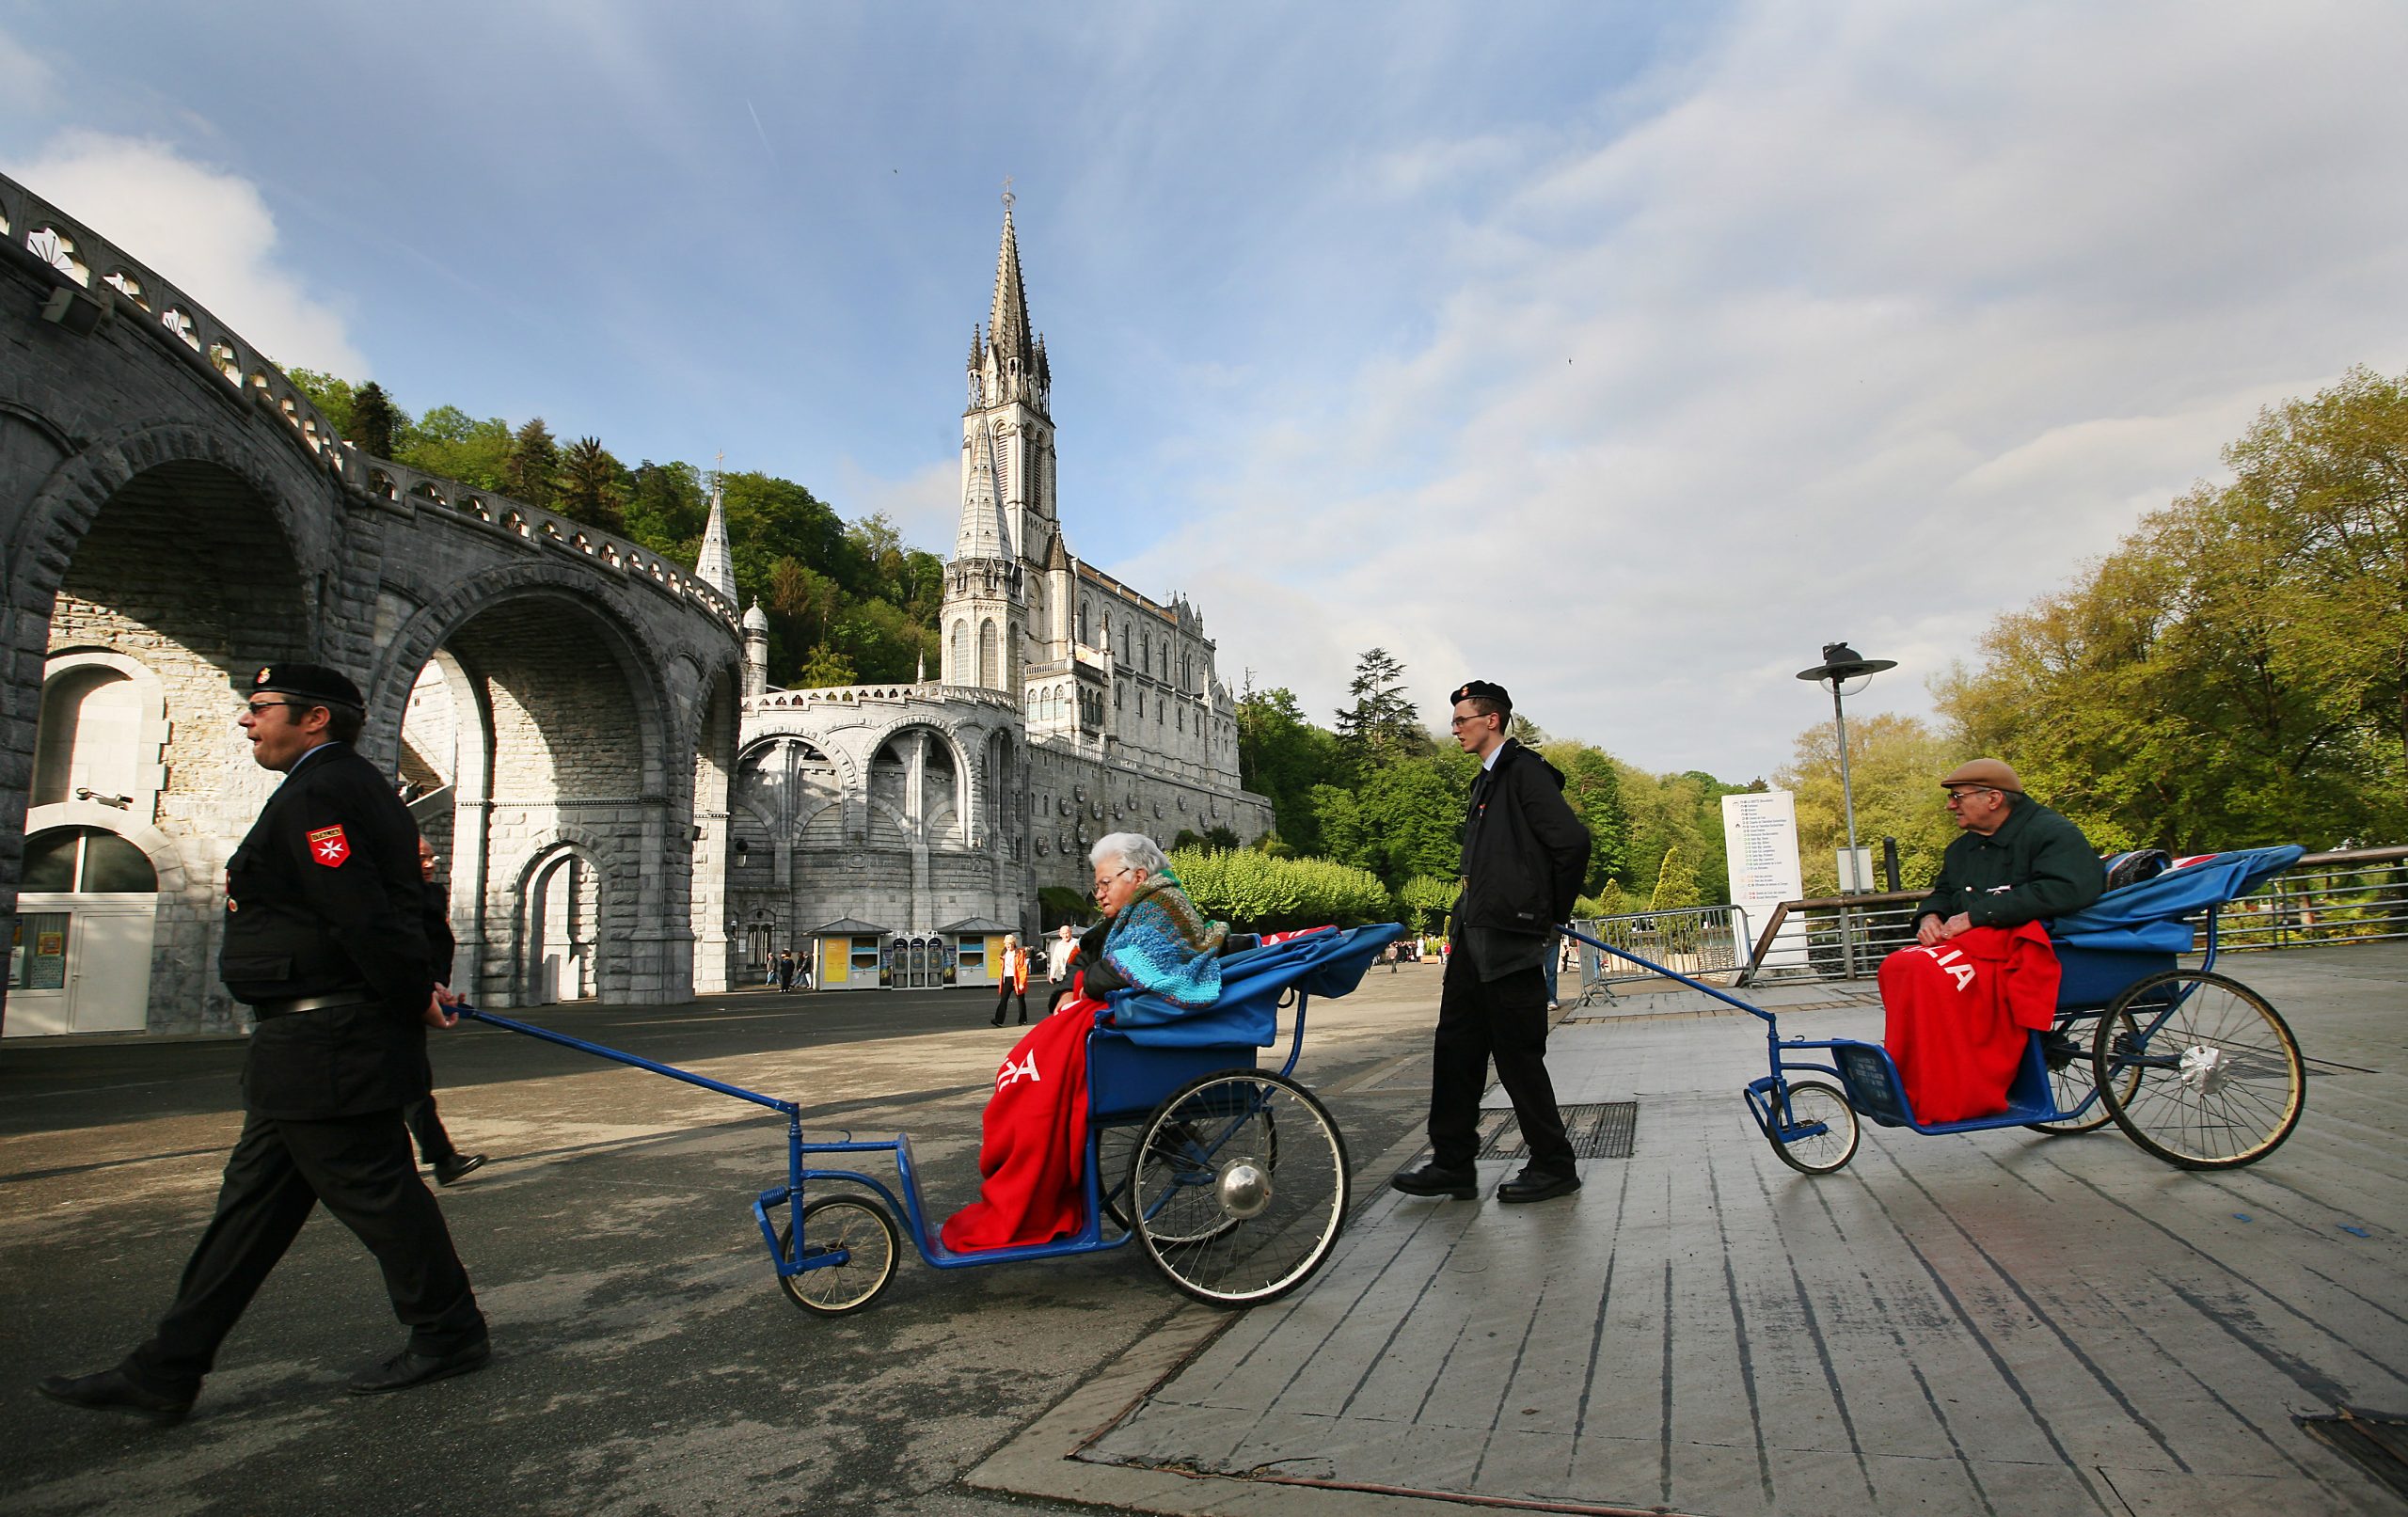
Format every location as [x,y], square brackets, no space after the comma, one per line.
[323,940]
[1524,855]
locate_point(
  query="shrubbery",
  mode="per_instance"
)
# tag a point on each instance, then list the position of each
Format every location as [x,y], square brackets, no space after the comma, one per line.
[1260,893]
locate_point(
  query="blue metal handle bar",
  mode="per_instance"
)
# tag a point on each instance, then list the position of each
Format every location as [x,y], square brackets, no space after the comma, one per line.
[789,1109]
[1670,974]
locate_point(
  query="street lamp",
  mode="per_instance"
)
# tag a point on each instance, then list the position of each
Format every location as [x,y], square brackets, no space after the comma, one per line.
[1842,663]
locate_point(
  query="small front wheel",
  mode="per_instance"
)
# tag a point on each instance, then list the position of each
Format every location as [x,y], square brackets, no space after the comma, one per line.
[1239,1187]
[1818,1133]
[2199,1071]
[863,1233]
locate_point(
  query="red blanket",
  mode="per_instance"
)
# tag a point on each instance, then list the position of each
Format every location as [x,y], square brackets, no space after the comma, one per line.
[1030,1158]
[1958,1013]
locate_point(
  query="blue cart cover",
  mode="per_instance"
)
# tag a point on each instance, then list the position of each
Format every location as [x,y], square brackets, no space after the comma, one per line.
[1318,963]
[2147,917]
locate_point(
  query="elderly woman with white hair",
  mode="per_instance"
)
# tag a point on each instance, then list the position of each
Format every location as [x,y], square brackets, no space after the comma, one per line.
[1030,1149]
[1151,938]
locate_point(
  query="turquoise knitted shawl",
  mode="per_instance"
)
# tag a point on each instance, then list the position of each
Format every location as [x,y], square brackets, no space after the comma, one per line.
[1163,946]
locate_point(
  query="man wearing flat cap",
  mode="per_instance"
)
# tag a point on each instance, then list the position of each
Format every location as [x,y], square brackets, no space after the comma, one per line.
[1959,1007]
[2015,860]
[1524,855]
[323,941]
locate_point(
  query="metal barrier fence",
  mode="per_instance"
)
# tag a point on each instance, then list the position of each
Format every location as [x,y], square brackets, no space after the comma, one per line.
[2346,896]
[1699,940]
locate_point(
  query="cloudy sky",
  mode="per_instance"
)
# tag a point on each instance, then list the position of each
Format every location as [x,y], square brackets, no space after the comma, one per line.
[1620,353]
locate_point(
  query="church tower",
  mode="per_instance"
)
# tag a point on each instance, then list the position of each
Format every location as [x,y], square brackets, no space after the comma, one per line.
[996,600]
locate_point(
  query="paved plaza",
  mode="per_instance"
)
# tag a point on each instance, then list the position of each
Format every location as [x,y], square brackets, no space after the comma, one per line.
[1998,1323]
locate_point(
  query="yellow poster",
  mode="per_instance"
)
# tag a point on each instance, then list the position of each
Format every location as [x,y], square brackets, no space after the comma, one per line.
[834,956]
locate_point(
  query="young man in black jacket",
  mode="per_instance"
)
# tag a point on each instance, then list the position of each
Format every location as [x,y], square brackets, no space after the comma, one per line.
[1524,855]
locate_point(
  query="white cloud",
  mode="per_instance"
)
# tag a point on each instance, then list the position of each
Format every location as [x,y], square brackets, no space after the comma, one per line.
[1882,321]
[25,81]
[206,231]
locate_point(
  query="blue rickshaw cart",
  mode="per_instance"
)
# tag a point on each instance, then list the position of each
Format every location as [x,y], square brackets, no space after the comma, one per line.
[2196,1068]
[1232,1179]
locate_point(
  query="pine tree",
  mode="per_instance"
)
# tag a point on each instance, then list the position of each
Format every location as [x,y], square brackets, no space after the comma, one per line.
[590,491]
[1379,725]
[374,419]
[533,471]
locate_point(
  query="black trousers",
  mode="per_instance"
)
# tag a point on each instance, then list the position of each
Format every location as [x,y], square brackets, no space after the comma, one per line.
[435,1146]
[1003,995]
[279,1170]
[1503,1019]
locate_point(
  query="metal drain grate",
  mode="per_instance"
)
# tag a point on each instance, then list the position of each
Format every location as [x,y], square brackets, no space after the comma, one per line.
[1602,1130]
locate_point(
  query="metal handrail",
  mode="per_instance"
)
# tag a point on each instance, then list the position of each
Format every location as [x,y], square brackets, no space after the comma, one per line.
[2292,911]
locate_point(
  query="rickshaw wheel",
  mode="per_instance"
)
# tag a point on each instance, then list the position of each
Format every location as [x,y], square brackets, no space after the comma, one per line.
[861,1227]
[1239,1186]
[2071,1081]
[1815,1100]
[1126,1157]
[2199,1071]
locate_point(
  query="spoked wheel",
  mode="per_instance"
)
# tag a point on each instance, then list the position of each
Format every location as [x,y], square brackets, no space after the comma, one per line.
[2199,1071]
[1815,1105]
[864,1231]
[1238,1184]
[2073,1075]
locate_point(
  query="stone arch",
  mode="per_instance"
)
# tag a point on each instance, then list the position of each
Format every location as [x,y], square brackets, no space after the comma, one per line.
[601,914]
[941,816]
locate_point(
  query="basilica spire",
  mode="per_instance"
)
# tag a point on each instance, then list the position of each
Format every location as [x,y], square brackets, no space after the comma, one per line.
[1008,317]
[715,565]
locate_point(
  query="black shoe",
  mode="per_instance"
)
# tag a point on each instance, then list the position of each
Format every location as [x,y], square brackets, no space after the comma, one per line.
[111,1391]
[457,1165]
[1437,1179]
[409,1367]
[1537,1185]
[997,1022]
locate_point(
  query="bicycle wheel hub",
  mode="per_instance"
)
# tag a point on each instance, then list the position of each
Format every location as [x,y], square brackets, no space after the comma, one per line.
[1243,1187]
[2206,1069]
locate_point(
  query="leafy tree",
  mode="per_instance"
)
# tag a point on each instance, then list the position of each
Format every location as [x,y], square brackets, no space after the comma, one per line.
[1282,755]
[826,667]
[1411,815]
[2236,671]
[1424,901]
[593,488]
[1338,822]
[1894,764]
[375,421]
[333,397]
[533,469]
[1592,786]
[1379,726]
[448,441]
[1254,890]
[667,510]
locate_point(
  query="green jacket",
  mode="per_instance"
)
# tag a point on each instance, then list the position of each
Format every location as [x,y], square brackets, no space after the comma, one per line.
[2035,866]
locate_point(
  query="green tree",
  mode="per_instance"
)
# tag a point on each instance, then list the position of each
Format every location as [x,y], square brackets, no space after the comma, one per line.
[2236,671]
[1592,786]
[1894,764]
[825,667]
[593,486]
[449,442]
[533,469]
[1282,755]
[375,421]
[1412,815]
[1424,901]
[334,397]
[1379,725]
[667,509]
[1676,884]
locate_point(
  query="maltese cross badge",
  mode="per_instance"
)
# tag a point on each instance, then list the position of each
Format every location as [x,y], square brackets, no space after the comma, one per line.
[329,847]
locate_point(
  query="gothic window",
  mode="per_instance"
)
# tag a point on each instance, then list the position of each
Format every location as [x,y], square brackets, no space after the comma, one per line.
[961,672]
[1117,693]
[991,657]
[1085,635]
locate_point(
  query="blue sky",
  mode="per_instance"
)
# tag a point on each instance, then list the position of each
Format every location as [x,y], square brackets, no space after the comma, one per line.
[1620,353]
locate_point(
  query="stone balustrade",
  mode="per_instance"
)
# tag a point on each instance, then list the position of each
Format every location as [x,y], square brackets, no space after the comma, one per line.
[117,283]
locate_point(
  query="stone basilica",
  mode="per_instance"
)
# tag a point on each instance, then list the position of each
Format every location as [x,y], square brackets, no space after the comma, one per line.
[900,829]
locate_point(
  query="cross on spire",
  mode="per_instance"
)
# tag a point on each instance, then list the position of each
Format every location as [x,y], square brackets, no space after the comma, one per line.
[1007,194]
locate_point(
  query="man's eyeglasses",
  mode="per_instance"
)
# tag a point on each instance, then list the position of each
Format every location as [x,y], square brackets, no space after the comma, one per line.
[1105,883]
[1459,723]
[254,707]
[1969,792]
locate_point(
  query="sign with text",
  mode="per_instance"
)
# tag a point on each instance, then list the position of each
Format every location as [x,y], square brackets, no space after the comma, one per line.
[1760,839]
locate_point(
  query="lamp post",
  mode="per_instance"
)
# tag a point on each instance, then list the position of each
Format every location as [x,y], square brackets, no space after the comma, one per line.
[1842,663]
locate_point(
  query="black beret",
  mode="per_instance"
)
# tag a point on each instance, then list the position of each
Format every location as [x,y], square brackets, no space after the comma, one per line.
[314,683]
[1481,690]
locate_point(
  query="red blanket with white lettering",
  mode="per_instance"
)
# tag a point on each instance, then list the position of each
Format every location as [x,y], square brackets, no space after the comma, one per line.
[1030,1158]
[1958,1013]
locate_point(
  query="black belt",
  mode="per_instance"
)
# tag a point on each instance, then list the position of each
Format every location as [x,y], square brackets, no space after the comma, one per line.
[269,1010]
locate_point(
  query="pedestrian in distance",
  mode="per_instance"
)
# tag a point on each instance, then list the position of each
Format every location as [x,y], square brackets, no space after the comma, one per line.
[1013,981]
[323,940]
[786,971]
[436,1148]
[1523,857]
